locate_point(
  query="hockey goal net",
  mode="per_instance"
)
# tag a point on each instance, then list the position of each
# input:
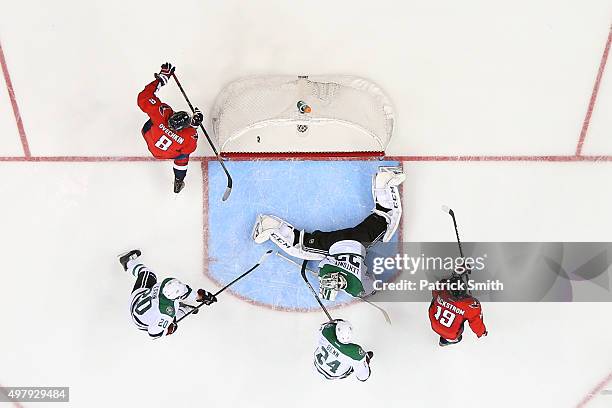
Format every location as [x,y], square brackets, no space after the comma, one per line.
[302,116]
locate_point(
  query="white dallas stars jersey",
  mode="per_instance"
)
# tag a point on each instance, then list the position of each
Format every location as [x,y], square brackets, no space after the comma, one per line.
[335,360]
[346,258]
[153,312]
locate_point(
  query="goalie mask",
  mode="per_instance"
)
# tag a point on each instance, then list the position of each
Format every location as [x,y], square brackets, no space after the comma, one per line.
[330,284]
[179,120]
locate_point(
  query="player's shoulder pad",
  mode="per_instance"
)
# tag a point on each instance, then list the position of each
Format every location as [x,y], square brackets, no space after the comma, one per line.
[353,351]
[475,304]
[327,325]
[163,107]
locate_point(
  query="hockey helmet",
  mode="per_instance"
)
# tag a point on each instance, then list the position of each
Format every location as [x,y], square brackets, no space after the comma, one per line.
[330,284]
[457,287]
[179,120]
[344,331]
[174,289]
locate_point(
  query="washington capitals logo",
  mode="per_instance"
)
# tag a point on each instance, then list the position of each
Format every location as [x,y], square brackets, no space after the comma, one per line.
[162,109]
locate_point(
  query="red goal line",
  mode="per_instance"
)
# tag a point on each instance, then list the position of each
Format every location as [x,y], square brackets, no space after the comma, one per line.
[322,156]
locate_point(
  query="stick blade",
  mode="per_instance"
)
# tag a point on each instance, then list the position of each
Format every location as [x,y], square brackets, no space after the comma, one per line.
[227,193]
[265,255]
[446,209]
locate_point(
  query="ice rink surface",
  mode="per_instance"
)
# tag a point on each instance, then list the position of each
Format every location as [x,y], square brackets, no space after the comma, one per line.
[503,113]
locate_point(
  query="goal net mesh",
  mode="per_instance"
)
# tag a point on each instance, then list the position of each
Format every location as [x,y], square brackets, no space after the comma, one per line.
[340,114]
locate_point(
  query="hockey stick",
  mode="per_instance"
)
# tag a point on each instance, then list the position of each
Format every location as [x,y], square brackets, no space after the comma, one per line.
[383,311]
[228,190]
[303,273]
[261,260]
[452,214]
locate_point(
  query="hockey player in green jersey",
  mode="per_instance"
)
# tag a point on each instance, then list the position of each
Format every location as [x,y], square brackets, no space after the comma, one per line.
[156,306]
[336,357]
[342,252]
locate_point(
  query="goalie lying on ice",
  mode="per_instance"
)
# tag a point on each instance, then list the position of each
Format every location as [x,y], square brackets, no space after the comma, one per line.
[342,252]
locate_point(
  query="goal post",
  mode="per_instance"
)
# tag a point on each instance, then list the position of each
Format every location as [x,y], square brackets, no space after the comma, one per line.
[302,116]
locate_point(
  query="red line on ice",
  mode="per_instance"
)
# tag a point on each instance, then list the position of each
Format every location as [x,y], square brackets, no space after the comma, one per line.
[16,113]
[589,113]
[595,391]
[205,229]
[468,158]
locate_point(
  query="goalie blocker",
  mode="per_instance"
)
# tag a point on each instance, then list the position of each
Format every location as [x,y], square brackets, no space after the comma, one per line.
[342,252]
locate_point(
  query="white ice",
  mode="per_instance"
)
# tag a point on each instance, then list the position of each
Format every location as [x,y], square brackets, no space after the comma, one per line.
[467,78]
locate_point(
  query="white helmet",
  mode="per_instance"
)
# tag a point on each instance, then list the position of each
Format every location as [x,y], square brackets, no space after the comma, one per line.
[174,289]
[344,331]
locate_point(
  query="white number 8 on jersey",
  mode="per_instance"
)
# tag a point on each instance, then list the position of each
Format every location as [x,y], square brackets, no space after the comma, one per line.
[163,143]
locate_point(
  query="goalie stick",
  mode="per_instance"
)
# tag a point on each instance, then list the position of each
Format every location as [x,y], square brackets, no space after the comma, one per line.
[261,260]
[228,190]
[383,311]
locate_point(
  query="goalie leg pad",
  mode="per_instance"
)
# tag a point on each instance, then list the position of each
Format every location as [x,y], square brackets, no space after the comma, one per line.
[283,234]
[386,195]
[388,176]
[268,225]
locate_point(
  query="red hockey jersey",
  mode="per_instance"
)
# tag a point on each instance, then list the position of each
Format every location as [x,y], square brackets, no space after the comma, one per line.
[162,142]
[447,315]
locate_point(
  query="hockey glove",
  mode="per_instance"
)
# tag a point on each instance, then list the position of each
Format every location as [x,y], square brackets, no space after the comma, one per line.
[167,69]
[172,328]
[206,297]
[197,118]
[369,356]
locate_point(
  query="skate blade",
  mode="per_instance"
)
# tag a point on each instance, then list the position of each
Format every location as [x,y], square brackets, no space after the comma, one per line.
[128,251]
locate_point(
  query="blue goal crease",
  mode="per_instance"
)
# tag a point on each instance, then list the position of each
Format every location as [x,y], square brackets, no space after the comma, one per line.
[323,195]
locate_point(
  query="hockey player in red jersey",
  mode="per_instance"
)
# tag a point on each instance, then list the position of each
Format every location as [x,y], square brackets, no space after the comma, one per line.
[169,134]
[450,307]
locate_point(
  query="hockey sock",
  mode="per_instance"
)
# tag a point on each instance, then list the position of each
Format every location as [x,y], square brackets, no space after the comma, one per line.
[180,174]
[145,278]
